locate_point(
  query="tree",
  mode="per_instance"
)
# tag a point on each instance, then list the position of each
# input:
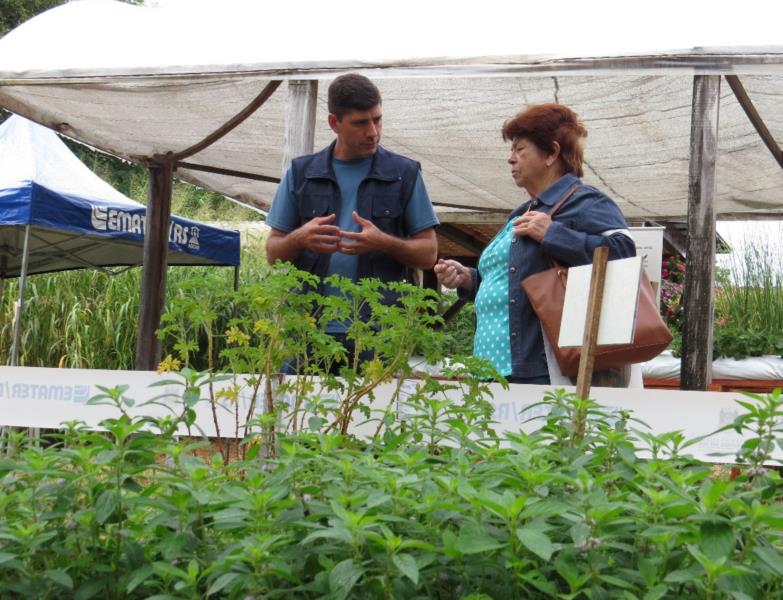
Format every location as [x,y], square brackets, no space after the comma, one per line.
[16,12]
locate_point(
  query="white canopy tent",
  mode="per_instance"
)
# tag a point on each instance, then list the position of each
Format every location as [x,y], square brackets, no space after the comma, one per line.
[189,96]
[105,86]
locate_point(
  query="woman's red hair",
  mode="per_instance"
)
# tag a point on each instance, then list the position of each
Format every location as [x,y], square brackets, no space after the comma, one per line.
[544,124]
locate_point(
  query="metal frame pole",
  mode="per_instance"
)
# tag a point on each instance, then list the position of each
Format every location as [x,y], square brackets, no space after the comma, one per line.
[20,302]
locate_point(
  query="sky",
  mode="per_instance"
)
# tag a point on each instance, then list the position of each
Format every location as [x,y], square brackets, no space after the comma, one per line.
[503,26]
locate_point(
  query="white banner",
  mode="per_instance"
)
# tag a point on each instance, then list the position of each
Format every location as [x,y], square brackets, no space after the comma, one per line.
[46,398]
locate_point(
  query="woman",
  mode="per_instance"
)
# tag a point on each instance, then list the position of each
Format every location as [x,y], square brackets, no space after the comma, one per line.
[546,159]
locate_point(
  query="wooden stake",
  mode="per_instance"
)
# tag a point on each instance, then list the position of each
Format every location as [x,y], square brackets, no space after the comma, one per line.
[592,320]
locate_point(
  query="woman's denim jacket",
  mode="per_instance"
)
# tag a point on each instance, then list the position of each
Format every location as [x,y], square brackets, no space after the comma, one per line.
[588,219]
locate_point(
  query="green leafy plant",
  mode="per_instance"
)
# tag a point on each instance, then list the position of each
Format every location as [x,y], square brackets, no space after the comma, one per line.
[748,301]
[429,502]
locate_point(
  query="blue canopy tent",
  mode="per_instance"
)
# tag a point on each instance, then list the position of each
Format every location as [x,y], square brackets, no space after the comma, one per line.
[56,215]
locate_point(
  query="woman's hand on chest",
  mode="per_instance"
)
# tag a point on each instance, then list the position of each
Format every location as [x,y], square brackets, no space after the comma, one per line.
[532,224]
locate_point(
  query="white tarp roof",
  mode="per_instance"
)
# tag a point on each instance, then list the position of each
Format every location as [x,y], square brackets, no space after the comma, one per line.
[138,81]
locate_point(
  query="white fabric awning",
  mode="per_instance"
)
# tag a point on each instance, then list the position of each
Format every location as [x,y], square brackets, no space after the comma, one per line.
[81,69]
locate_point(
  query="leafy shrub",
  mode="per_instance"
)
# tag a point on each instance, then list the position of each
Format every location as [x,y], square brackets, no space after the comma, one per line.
[544,515]
[432,505]
[748,303]
[460,329]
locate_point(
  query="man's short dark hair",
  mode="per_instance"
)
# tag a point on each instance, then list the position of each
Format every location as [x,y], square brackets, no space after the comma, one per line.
[352,92]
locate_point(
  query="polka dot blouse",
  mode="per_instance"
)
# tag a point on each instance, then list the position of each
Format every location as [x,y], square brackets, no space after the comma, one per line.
[492,340]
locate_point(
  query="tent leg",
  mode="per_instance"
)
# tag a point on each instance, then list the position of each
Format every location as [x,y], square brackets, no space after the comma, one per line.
[153,277]
[20,302]
[236,278]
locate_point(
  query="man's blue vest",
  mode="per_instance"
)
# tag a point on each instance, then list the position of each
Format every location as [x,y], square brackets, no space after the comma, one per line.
[382,198]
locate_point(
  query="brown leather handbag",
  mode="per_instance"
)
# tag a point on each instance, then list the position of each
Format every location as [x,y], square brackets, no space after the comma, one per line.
[546,293]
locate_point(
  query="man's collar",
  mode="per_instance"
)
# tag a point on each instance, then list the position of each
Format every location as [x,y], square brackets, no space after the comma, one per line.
[382,167]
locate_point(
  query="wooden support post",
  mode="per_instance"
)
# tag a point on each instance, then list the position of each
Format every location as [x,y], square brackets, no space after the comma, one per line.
[299,135]
[153,278]
[698,292]
[584,376]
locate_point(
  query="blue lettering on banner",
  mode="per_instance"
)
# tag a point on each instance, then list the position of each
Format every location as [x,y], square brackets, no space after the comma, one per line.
[78,394]
[535,412]
[517,411]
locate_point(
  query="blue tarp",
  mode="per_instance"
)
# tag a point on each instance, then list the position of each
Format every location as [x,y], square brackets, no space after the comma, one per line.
[77,219]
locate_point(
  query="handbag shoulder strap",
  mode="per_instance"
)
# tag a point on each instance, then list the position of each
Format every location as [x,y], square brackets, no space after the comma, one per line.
[556,207]
[563,200]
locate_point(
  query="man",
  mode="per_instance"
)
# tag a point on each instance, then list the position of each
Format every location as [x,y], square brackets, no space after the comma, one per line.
[354,208]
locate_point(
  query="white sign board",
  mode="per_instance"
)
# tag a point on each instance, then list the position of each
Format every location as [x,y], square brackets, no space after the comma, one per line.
[695,414]
[649,245]
[46,398]
[618,309]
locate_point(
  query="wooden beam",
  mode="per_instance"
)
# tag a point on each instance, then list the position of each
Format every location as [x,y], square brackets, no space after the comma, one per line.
[755,118]
[299,134]
[213,137]
[698,292]
[677,239]
[482,209]
[453,234]
[229,172]
[473,218]
[153,275]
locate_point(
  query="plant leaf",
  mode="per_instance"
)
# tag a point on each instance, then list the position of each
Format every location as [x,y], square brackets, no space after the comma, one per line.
[771,558]
[343,577]
[106,504]
[717,539]
[407,566]
[60,577]
[473,540]
[221,582]
[138,577]
[537,542]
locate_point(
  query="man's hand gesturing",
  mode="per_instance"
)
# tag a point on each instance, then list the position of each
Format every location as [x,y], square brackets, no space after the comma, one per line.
[368,239]
[319,235]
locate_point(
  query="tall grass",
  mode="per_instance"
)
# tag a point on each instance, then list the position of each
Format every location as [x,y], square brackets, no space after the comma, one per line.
[749,298]
[88,319]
